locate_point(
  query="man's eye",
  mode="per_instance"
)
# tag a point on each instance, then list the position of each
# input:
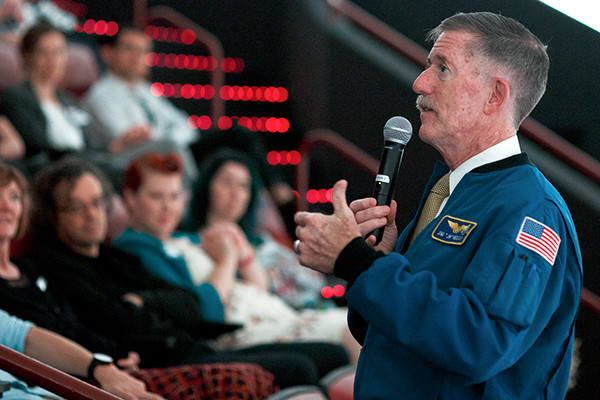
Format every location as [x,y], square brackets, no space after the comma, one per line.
[443,68]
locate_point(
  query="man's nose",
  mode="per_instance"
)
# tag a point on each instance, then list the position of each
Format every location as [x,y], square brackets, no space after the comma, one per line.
[421,84]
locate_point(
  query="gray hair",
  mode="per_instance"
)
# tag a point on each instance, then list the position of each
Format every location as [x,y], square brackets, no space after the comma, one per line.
[506,42]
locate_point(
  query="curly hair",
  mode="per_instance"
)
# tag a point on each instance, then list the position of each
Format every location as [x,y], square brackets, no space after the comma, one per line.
[199,204]
[44,196]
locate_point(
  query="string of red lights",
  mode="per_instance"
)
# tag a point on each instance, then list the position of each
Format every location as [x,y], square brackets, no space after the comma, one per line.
[207,92]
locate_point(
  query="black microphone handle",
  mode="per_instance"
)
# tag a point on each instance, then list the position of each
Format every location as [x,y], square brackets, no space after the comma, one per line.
[385,182]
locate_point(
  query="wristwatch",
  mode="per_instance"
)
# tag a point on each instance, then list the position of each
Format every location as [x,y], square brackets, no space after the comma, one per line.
[98,359]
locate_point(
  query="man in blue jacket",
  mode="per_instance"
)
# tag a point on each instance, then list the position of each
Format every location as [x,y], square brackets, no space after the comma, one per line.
[480,301]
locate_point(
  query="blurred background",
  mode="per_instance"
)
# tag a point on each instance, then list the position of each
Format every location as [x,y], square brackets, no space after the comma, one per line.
[317,80]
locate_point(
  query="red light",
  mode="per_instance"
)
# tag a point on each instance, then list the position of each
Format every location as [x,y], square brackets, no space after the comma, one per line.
[258,94]
[228,64]
[191,62]
[339,290]
[180,60]
[188,36]
[270,124]
[283,94]
[275,94]
[151,59]
[173,35]
[112,29]
[296,193]
[209,92]
[212,63]
[151,32]
[204,122]
[329,195]
[323,195]
[226,92]
[170,60]
[225,123]
[295,157]
[284,125]
[239,65]
[169,90]
[284,157]
[89,26]
[198,91]
[187,91]
[327,292]
[101,27]
[193,122]
[312,196]
[248,92]
[157,89]
[273,157]
[161,60]
[268,94]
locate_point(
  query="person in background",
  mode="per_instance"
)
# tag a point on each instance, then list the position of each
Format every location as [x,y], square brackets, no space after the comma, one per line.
[278,194]
[227,190]
[112,294]
[48,120]
[126,112]
[65,355]
[223,259]
[477,297]
[17,16]
[29,295]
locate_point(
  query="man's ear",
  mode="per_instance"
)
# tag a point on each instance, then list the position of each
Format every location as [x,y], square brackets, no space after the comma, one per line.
[106,53]
[499,94]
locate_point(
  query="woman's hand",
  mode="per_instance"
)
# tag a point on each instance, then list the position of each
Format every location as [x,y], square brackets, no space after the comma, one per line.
[219,244]
[131,363]
[122,384]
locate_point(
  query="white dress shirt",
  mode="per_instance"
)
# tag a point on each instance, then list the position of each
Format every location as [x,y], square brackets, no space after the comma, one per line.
[506,148]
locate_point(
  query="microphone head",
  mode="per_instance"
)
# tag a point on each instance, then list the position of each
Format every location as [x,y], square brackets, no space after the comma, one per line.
[397,129]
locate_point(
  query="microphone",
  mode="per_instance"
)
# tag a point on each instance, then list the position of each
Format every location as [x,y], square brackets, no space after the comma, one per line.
[396,134]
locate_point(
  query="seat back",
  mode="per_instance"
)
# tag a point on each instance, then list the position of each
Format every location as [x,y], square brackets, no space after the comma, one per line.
[10,65]
[82,69]
[339,383]
[300,392]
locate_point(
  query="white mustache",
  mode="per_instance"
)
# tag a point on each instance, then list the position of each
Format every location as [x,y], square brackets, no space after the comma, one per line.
[423,103]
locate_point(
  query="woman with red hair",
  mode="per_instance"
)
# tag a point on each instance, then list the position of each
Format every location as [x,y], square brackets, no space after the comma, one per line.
[233,283]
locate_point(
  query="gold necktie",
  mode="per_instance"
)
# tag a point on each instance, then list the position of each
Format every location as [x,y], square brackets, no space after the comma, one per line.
[438,193]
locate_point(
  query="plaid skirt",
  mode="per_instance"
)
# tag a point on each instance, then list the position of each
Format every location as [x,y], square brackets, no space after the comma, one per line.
[209,381]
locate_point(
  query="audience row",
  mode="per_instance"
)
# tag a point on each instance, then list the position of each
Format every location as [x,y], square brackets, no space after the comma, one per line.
[217,309]
[73,283]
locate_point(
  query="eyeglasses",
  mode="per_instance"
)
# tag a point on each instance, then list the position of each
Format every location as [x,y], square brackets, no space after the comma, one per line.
[80,208]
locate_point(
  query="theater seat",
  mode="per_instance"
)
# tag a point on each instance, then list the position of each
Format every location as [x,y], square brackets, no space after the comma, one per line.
[10,65]
[339,383]
[300,392]
[82,69]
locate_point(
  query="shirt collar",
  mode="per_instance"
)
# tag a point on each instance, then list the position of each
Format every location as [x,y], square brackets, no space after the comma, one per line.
[506,148]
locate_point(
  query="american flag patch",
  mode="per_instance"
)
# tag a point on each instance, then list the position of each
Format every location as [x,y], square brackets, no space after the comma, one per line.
[538,237]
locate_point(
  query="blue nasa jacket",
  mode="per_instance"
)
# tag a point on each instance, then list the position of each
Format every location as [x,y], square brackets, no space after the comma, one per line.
[482,305]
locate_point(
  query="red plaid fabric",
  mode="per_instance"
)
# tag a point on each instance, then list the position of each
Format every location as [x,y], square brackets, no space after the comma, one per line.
[209,381]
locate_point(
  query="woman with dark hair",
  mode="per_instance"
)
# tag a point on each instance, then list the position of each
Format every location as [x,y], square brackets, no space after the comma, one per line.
[229,189]
[48,119]
[28,295]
